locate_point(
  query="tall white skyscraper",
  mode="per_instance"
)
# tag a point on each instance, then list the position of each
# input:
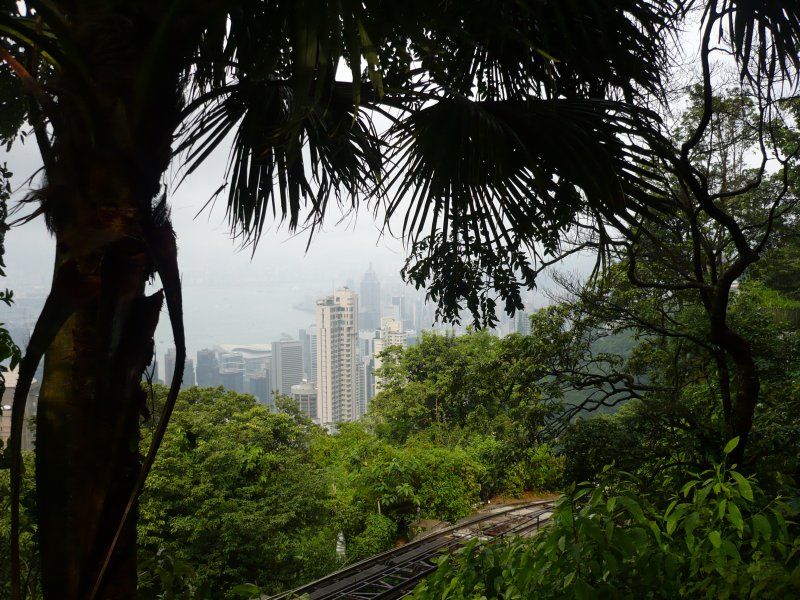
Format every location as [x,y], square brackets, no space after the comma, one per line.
[337,354]
[287,365]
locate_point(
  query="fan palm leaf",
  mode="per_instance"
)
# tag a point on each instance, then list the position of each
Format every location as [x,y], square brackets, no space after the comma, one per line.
[480,184]
[765,35]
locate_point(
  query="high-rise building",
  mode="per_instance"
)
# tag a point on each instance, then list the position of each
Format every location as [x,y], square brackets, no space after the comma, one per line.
[337,352]
[169,366]
[231,371]
[370,300]
[522,322]
[391,334]
[188,374]
[207,368]
[287,365]
[305,394]
[258,387]
[308,337]
[169,369]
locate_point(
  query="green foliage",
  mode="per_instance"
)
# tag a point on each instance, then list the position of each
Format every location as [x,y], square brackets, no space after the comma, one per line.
[9,351]
[235,493]
[682,389]
[381,489]
[379,535]
[162,576]
[477,392]
[29,551]
[718,537]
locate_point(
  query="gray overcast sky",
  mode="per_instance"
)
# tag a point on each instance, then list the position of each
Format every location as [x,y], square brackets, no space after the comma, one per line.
[205,245]
[229,295]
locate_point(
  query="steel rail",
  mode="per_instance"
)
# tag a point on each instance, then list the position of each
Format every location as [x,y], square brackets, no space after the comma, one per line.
[394,573]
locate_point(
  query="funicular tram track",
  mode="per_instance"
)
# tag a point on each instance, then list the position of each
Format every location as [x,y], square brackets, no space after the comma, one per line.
[394,573]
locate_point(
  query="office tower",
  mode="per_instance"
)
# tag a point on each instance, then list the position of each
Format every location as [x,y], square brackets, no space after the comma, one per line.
[258,387]
[231,371]
[308,337]
[522,322]
[169,366]
[366,350]
[188,374]
[169,370]
[305,394]
[370,300]
[400,302]
[391,334]
[207,368]
[287,365]
[391,310]
[337,351]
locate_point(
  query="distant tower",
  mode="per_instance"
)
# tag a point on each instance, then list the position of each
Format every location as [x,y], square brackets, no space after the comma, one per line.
[337,352]
[207,369]
[231,371]
[391,334]
[370,300]
[308,337]
[305,394]
[169,370]
[522,322]
[169,366]
[188,374]
[287,365]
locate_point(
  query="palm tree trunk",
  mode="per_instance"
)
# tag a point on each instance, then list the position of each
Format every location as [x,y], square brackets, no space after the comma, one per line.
[87,459]
[110,150]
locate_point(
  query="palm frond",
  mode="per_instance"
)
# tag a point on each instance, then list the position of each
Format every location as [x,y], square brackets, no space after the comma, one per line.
[484,187]
[765,35]
[509,50]
[286,164]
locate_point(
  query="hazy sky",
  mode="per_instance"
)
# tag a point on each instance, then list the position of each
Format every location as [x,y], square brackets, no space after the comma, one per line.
[205,245]
[230,295]
[224,285]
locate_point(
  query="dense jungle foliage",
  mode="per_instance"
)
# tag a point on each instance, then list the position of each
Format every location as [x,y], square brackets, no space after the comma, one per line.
[518,134]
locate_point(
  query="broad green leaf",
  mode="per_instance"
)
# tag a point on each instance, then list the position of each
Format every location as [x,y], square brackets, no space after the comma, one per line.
[745,489]
[633,508]
[735,517]
[721,508]
[246,590]
[731,445]
[761,525]
[715,538]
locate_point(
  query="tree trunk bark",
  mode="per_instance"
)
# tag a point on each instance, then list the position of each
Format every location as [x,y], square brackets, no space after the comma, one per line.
[739,417]
[87,458]
[112,142]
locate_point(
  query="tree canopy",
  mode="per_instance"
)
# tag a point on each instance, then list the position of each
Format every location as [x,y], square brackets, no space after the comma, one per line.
[510,123]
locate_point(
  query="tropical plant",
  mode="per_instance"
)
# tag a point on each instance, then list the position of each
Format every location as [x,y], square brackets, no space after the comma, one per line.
[29,551]
[507,120]
[234,496]
[718,537]
[476,392]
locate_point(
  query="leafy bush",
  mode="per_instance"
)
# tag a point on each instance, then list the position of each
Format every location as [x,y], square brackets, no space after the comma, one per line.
[378,536]
[716,538]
